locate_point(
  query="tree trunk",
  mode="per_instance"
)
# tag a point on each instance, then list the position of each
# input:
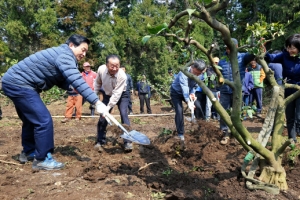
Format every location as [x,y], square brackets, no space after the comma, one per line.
[270,176]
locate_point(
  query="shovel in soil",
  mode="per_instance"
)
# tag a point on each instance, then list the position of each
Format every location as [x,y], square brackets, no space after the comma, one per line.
[133,135]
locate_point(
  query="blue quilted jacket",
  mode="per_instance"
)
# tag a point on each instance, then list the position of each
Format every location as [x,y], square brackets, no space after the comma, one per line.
[49,67]
[243,60]
[290,66]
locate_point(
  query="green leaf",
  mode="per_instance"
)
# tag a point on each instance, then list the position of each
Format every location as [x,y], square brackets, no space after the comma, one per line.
[219,67]
[190,11]
[250,113]
[206,1]
[146,38]
[157,29]
[180,30]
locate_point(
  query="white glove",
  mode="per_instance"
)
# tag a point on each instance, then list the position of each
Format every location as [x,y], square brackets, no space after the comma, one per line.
[101,108]
[191,105]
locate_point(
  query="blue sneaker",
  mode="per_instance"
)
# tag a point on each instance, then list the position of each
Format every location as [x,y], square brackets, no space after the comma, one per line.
[48,164]
[24,157]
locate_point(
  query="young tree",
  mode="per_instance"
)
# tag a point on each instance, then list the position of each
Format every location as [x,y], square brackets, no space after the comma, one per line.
[273,176]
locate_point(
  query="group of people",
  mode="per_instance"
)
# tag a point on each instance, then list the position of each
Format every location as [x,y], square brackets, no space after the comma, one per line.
[75,101]
[24,81]
[285,65]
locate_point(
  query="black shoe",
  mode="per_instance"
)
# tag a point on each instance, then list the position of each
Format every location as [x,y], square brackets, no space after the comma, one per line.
[99,147]
[24,157]
[141,112]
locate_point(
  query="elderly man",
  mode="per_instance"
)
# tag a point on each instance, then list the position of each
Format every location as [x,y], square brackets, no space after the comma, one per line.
[112,81]
[23,82]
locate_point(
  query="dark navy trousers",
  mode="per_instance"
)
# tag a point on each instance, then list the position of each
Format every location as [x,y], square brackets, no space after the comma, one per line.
[256,94]
[177,102]
[37,128]
[292,114]
[102,123]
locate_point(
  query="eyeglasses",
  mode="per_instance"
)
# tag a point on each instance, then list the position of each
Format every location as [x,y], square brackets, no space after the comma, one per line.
[291,48]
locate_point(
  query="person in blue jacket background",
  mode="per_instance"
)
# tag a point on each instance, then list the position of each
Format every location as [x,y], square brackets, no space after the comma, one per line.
[23,83]
[225,90]
[290,61]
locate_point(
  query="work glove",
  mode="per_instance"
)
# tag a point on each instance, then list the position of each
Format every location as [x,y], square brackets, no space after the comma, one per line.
[192,97]
[102,108]
[191,105]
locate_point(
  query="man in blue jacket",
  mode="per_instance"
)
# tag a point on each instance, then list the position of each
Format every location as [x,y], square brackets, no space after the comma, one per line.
[183,89]
[24,81]
[225,90]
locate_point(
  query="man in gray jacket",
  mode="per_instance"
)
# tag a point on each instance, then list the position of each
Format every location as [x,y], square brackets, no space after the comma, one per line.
[23,82]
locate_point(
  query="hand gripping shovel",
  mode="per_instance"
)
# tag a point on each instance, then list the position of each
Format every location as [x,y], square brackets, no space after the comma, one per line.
[133,135]
[192,118]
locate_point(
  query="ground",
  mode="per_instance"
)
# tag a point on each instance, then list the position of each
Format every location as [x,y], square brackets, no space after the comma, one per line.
[161,170]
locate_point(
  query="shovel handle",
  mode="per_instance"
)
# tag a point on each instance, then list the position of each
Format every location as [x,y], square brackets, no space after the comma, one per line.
[111,118]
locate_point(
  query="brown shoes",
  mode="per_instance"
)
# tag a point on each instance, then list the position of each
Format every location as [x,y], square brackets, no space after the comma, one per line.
[226,137]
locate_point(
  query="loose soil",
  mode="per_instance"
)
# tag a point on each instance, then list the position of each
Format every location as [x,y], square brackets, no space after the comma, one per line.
[161,170]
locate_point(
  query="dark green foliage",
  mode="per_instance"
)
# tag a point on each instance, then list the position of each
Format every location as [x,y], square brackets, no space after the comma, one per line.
[30,26]
[52,95]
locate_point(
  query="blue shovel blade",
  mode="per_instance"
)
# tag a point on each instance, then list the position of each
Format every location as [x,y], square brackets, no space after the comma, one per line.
[136,137]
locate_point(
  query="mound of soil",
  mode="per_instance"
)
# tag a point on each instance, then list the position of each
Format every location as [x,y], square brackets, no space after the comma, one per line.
[204,169]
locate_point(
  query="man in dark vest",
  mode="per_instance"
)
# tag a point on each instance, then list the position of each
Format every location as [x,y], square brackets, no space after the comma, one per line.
[144,92]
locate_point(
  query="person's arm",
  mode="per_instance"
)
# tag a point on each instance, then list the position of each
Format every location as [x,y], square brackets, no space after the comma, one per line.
[149,91]
[262,75]
[274,58]
[183,81]
[98,82]
[67,65]
[130,84]
[138,87]
[250,82]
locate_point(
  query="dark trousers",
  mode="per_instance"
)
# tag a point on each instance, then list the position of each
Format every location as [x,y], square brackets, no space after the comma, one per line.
[91,107]
[102,123]
[177,102]
[143,99]
[200,104]
[226,102]
[130,102]
[256,93]
[292,114]
[37,128]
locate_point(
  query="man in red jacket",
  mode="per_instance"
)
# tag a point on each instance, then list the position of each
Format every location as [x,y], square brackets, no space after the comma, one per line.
[89,76]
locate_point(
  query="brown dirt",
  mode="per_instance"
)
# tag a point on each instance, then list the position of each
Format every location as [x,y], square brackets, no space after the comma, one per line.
[205,170]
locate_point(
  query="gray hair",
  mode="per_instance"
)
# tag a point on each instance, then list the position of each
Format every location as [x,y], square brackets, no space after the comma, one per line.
[199,64]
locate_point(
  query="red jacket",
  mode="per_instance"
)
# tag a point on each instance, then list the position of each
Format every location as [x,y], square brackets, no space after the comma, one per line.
[89,78]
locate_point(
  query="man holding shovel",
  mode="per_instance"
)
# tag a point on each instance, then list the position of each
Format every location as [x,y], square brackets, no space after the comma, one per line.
[113,82]
[183,89]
